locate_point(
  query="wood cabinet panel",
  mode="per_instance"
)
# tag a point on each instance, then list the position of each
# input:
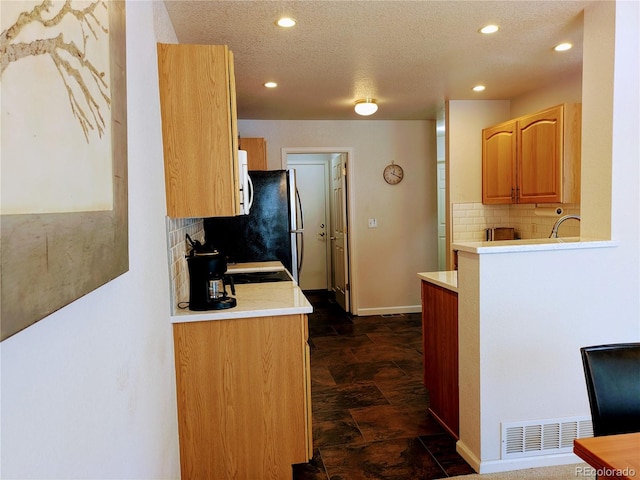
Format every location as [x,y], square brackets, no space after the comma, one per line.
[256,149]
[499,163]
[243,393]
[539,156]
[440,354]
[199,130]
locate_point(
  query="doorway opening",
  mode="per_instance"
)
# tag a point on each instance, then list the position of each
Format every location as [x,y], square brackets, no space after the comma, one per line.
[323,184]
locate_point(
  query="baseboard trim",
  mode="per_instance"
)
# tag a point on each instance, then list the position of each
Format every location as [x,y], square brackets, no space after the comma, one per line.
[366,312]
[468,456]
[496,466]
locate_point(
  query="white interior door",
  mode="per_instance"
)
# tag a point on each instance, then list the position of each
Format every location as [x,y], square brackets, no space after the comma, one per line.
[339,231]
[312,178]
[442,226]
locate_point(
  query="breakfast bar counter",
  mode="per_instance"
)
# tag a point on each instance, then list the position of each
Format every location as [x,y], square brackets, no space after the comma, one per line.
[445,279]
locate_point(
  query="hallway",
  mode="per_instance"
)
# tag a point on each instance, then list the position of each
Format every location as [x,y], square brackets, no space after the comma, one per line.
[370,418]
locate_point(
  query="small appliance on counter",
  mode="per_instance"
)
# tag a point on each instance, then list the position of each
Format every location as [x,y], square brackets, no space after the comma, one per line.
[500,233]
[208,280]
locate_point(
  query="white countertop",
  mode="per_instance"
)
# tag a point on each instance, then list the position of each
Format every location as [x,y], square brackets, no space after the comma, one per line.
[532,245]
[254,299]
[249,267]
[447,279]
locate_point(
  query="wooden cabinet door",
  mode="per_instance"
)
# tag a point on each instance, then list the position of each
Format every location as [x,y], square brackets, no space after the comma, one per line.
[199,132]
[307,386]
[440,354]
[540,153]
[499,164]
[243,393]
[256,149]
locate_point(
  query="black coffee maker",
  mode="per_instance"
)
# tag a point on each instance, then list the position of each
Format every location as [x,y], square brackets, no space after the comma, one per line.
[207,279]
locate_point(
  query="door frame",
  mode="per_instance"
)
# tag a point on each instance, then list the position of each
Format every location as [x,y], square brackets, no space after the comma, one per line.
[349,206]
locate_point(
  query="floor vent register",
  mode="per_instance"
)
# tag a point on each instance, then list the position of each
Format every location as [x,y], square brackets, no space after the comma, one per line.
[543,437]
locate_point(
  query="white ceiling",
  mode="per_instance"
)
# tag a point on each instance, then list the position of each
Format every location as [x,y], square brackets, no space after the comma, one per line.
[409,55]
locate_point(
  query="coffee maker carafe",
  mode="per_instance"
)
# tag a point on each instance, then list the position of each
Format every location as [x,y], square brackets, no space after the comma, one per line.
[207,280]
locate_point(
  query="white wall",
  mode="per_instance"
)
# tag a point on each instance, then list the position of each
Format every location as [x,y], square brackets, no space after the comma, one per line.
[524,316]
[89,391]
[385,260]
[465,121]
[563,90]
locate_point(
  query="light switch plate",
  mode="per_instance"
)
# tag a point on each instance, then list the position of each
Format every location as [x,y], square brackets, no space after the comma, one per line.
[373,223]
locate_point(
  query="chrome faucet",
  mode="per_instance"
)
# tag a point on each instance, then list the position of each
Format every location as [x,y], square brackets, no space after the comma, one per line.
[554,230]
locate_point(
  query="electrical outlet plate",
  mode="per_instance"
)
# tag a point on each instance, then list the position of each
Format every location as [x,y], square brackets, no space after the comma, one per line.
[373,223]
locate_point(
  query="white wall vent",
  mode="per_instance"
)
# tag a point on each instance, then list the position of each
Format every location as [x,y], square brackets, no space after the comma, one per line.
[543,437]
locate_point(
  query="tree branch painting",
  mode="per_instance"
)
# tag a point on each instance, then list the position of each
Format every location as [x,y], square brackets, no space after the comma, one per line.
[63,131]
[86,86]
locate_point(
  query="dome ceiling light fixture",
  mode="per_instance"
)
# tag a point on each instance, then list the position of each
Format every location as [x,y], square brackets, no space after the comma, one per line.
[366,106]
[478,88]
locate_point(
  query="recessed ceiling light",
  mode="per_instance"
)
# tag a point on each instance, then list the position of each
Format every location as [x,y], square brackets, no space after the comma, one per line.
[562,47]
[478,88]
[271,84]
[489,29]
[286,22]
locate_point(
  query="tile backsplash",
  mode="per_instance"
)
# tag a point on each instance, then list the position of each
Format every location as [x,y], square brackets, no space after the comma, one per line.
[177,229]
[469,221]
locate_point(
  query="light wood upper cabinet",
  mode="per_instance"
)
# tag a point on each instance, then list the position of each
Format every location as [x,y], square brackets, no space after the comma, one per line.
[533,159]
[244,397]
[199,130]
[256,149]
[498,163]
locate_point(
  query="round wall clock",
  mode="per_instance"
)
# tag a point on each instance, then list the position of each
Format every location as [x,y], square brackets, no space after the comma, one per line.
[393,174]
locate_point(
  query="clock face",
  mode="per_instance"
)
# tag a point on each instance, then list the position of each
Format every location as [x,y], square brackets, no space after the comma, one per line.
[393,174]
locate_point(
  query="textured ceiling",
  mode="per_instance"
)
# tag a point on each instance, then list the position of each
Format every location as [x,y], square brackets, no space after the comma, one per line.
[409,55]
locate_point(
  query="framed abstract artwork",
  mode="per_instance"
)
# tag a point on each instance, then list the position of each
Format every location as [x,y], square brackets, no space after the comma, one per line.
[63,171]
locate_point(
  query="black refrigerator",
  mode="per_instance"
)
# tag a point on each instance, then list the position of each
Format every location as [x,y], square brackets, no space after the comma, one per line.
[273,228]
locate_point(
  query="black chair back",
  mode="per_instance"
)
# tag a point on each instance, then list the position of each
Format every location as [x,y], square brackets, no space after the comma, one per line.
[613,383]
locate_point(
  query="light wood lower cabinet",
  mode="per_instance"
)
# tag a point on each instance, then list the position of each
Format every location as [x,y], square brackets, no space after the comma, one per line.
[440,347]
[244,397]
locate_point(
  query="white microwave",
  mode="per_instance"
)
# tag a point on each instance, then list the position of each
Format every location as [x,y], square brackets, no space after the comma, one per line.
[246,187]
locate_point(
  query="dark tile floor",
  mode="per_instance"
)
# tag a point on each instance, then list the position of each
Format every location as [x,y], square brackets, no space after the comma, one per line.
[370,418]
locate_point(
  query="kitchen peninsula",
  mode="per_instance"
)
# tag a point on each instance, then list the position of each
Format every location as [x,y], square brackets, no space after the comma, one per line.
[519,366]
[243,385]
